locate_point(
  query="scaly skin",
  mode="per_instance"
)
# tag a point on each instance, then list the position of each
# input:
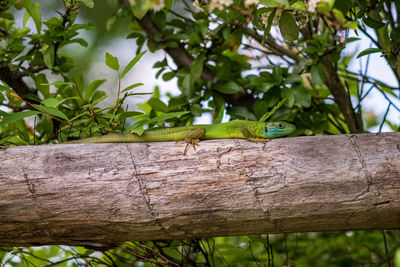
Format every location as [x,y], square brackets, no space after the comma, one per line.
[251,130]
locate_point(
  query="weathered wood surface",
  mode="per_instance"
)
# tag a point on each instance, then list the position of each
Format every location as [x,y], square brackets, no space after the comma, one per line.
[105,193]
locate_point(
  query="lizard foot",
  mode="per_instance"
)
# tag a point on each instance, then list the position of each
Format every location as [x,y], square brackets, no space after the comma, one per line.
[191,142]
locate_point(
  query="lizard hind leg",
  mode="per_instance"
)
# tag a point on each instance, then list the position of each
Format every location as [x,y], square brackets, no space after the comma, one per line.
[193,138]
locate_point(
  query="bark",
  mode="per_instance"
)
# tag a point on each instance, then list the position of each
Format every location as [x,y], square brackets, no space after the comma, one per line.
[341,96]
[101,194]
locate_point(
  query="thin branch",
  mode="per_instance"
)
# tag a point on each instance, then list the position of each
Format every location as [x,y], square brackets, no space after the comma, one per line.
[14,107]
[383,121]
[270,41]
[364,31]
[367,79]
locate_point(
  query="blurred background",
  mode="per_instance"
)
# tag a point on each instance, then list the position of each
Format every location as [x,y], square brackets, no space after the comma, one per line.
[110,35]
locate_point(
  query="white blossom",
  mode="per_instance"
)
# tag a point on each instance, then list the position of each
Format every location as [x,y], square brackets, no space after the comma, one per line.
[264,18]
[197,5]
[313,4]
[248,3]
[158,4]
[219,4]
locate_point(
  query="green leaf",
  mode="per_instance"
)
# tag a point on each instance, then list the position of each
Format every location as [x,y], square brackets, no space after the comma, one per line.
[138,127]
[275,3]
[2,141]
[242,113]
[48,57]
[302,96]
[129,114]
[53,111]
[397,258]
[78,81]
[352,39]
[277,74]
[157,104]
[370,51]
[269,114]
[188,87]
[288,27]
[293,78]
[132,63]
[112,62]
[98,100]
[59,83]
[317,75]
[373,23]
[12,117]
[51,102]
[139,94]
[196,110]
[343,5]
[161,64]
[288,93]
[230,87]
[88,3]
[19,33]
[135,35]
[197,67]
[26,18]
[131,87]
[270,22]
[42,85]
[110,22]
[80,41]
[168,76]
[34,11]
[92,88]
[299,5]
[260,107]
[220,115]
[167,116]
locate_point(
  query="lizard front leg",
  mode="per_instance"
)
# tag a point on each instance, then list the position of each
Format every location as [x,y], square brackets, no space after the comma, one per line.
[193,138]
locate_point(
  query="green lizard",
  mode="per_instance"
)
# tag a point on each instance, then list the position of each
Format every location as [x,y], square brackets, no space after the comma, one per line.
[255,131]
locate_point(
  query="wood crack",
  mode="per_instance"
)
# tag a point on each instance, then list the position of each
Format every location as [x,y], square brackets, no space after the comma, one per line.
[220,154]
[31,185]
[145,194]
[250,181]
[364,168]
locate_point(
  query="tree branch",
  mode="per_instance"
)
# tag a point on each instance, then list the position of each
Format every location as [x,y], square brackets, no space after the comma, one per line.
[96,194]
[15,81]
[341,96]
[183,59]
[270,41]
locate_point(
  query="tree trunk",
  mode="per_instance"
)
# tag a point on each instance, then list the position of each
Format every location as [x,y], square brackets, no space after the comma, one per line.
[96,194]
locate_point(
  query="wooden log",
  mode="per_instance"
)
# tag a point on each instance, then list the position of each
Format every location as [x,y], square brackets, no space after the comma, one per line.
[96,194]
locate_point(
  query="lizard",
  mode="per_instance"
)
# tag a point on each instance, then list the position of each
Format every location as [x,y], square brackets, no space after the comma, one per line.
[254,131]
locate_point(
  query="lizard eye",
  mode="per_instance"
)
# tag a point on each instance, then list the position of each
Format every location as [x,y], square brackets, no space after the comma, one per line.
[266,129]
[280,126]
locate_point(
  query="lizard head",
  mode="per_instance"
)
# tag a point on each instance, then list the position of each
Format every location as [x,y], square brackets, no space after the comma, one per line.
[277,129]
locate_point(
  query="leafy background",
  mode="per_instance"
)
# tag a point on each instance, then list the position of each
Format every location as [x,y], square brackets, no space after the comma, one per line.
[212,61]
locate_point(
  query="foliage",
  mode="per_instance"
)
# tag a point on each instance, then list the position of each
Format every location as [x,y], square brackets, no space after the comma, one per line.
[240,58]
[306,249]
